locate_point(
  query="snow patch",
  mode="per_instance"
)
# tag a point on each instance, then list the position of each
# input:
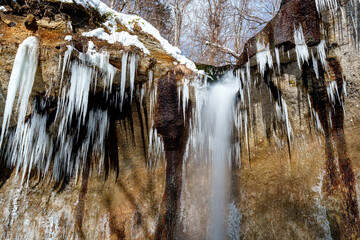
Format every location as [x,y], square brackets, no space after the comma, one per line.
[124,38]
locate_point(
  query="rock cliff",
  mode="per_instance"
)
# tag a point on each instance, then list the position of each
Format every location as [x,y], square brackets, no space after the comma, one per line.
[106,148]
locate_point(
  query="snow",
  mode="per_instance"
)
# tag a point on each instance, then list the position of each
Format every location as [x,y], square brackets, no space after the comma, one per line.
[129,21]
[124,38]
[68,38]
[3,9]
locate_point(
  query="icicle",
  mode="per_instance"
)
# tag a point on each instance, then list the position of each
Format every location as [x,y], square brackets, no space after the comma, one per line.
[132,74]
[102,61]
[142,92]
[179,97]
[248,71]
[123,78]
[185,97]
[30,146]
[21,82]
[156,148]
[282,113]
[78,94]
[277,59]
[302,52]
[151,78]
[263,56]
[323,5]
[315,65]
[317,121]
[322,54]
[332,91]
[66,62]
[246,130]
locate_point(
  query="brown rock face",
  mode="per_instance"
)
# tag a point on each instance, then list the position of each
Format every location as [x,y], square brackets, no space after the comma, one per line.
[30,23]
[339,185]
[170,124]
[279,32]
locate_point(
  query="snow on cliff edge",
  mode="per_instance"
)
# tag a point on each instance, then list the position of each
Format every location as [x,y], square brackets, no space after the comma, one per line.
[129,22]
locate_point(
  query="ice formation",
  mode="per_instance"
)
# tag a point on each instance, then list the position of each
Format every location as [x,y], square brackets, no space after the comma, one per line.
[277,59]
[263,56]
[302,52]
[61,146]
[185,97]
[333,92]
[133,61]
[124,61]
[21,82]
[282,114]
[68,38]
[323,5]
[315,65]
[321,51]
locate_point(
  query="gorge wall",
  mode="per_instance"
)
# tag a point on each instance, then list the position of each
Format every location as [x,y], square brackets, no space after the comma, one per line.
[295,146]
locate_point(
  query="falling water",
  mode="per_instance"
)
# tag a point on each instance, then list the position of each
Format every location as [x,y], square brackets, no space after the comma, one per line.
[210,141]
[220,125]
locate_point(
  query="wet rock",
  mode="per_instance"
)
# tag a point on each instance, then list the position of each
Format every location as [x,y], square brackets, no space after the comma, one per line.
[30,23]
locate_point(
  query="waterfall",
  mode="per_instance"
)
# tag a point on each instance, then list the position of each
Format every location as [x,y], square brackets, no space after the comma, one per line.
[220,125]
[211,142]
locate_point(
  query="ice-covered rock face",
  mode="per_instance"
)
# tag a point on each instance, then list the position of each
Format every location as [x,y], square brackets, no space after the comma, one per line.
[70,103]
[100,121]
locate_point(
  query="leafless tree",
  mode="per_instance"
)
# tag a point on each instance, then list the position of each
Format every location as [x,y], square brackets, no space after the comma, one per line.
[207,31]
[179,9]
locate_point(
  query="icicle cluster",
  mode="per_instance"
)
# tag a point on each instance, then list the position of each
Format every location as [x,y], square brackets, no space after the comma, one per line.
[321,50]
[156,145]
[282,114]
[61,145]
[301,48]
[315,117]
[323,5]
[263,56]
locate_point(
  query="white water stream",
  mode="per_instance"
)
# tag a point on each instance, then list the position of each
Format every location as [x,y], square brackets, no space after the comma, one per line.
[220,125]
[211,142]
